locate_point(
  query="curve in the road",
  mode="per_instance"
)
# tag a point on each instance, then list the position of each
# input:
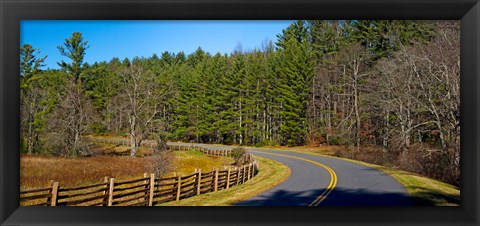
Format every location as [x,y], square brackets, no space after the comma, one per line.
[325,181]
[355,184]
[331,185]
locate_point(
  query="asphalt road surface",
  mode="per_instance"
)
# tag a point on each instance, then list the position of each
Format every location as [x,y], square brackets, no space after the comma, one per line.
[323,181]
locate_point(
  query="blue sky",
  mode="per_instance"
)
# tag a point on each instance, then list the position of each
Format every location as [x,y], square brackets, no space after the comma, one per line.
[114,38]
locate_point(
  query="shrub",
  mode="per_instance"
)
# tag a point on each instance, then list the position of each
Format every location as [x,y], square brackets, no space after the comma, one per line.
[60,145]
[337,140]
[434,163]
[238,154]
[161,142]
[98,129]
[162,163]
[269,143]
[418,158]
[260,144]
[228,141]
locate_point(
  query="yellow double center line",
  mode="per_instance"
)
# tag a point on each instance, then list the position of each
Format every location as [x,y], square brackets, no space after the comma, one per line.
[333,176]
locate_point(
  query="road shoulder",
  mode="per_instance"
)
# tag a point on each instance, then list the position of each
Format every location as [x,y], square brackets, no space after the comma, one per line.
[271,173]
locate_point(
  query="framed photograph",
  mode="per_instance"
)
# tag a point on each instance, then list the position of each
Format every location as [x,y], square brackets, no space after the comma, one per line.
[239,112]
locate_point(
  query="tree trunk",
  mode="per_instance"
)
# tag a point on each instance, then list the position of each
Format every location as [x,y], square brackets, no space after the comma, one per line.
[133,137]
[30,134]
[240,138]
[357,114]
[387,130]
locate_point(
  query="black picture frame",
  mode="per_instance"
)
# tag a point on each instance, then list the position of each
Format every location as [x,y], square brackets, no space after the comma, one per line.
[12,11]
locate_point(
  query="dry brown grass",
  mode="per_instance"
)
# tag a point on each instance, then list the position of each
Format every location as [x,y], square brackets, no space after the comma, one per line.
[37,171]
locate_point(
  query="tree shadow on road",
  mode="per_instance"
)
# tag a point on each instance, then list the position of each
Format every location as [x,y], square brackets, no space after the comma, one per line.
[338,197]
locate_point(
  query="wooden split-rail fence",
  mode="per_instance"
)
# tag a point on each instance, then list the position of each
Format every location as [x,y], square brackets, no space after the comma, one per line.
[144,191]
[153,144]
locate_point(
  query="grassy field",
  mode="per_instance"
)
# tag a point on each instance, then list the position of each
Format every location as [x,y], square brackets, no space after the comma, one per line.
[37,171]
[187,161]
[270,174]
[115,149]
[425,191]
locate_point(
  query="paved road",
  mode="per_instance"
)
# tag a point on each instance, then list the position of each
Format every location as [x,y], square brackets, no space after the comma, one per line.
[323,181]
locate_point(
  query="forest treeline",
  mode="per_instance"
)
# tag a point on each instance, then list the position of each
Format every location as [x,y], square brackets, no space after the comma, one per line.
[391,88]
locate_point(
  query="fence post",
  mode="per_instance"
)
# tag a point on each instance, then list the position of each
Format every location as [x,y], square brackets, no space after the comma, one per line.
[228,178]
[152,189]
[146,182]
[53,202]
[238,175]
[50,184]
[179,187]
[110,192]
[243,174]
[105,199]
[215,185]
[199,181]
[250,171]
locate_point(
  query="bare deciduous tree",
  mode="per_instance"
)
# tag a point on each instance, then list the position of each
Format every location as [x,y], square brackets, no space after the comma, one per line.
[70,119]
[353,64]
[143,98]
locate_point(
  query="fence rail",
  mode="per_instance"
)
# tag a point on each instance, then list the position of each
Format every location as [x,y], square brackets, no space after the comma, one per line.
[153,144]
[144,191]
